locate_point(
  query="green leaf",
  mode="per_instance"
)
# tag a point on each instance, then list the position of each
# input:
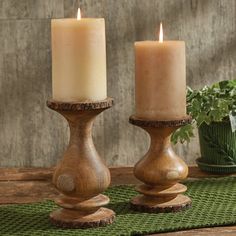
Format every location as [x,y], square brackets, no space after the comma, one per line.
[209,104]
[183,134]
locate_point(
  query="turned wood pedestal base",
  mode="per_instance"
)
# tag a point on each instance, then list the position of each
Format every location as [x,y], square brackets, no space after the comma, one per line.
[85,214]
[81,176]
[160,170]
[171,201]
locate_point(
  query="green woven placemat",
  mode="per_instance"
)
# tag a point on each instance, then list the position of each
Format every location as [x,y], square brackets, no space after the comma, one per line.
[214,204]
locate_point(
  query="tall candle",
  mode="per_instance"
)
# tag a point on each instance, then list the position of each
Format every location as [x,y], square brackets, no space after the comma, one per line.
[78,59]
[160,79]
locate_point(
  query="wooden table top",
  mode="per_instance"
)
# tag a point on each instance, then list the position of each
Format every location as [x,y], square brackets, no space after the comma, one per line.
[24,185]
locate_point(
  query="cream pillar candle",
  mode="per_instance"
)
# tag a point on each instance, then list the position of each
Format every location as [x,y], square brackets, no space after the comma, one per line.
[78,59]
[160,80]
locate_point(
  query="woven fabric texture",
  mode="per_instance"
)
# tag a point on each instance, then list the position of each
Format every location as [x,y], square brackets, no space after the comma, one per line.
[214,204]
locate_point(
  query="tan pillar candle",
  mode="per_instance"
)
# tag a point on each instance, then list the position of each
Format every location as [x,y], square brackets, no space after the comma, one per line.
[160,80]
[78,59]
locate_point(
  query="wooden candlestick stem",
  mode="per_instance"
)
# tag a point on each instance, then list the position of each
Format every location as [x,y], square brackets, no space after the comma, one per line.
[160,170]
[81,176]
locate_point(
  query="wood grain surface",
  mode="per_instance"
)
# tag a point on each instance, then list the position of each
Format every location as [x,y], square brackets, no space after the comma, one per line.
[32,135]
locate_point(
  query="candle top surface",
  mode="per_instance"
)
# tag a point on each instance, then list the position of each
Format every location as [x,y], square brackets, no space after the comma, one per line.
[76,20]
[154,42]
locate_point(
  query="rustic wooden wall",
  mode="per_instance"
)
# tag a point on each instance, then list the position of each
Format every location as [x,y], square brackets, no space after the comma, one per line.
[32,135]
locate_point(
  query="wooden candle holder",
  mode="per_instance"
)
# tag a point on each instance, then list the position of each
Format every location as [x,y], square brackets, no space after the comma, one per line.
[160,170]
[81,175]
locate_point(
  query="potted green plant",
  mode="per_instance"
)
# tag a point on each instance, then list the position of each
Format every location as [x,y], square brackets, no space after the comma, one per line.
[213,109]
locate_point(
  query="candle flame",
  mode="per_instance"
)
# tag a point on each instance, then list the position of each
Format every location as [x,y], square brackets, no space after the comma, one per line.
[78,14]
[161,34]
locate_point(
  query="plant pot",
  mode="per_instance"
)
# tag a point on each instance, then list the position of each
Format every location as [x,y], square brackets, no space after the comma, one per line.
[218,148]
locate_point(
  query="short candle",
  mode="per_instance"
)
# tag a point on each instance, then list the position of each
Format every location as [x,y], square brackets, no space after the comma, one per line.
[78,59]
[160,79]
